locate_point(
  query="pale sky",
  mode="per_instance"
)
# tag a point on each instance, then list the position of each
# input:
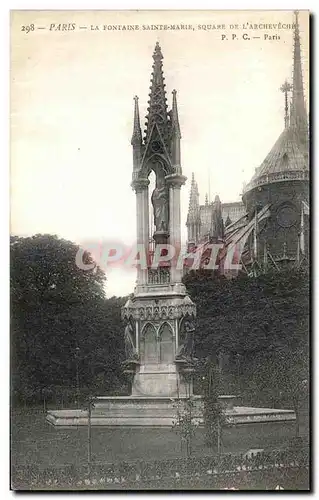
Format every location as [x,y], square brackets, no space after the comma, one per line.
[72,113]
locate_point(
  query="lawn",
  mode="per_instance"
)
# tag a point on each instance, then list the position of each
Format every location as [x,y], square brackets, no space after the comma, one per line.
[33,440]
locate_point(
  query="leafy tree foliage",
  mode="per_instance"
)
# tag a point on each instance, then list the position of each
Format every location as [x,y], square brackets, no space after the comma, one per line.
[213,412]
[283,376]
[56,307]
[186,423]
[248,322]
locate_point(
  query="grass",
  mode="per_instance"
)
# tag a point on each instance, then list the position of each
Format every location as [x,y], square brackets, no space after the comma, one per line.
[33,440]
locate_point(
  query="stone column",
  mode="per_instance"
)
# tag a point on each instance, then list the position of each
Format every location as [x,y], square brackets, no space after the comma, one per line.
[176,336]
[137,337]
[175,181]
[142,224]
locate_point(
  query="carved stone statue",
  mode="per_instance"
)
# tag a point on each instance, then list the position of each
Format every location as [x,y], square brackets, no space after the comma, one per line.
[217,220]
[160,206]
[186,349]
[130,350]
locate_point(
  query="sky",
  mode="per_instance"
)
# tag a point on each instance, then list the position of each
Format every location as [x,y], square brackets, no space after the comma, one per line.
[72,112]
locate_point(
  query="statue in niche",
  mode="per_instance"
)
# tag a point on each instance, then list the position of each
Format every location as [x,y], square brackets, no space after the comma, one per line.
[130,350]
[186,348]
[160,205]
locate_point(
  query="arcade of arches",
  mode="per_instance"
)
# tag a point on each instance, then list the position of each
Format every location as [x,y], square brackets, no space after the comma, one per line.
[157,346]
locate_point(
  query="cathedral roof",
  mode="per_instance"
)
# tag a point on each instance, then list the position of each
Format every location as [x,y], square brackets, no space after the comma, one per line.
[288,158]
[285,161]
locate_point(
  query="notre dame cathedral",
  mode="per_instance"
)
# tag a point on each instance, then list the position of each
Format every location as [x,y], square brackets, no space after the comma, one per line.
[273,216]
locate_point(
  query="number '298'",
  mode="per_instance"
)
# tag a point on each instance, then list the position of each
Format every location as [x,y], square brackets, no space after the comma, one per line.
[28,28]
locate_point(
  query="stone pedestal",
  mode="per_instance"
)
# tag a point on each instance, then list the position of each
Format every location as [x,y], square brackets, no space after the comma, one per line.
[158,311]
[130,411]
[159,380]
[161,237]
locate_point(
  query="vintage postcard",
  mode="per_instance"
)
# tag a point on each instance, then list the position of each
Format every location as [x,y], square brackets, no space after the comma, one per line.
[159,250]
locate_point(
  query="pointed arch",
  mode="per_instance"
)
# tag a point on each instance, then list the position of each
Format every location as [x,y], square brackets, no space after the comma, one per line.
[155,150]
[158,163]
[166,344]
[148,345]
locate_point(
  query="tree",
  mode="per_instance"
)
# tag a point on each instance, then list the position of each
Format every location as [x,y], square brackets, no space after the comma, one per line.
[250,318]
[284,373]
[58,310]
[186,422]
[213,412]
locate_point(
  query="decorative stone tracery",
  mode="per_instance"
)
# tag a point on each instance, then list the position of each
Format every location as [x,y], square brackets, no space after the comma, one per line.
[150,311]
